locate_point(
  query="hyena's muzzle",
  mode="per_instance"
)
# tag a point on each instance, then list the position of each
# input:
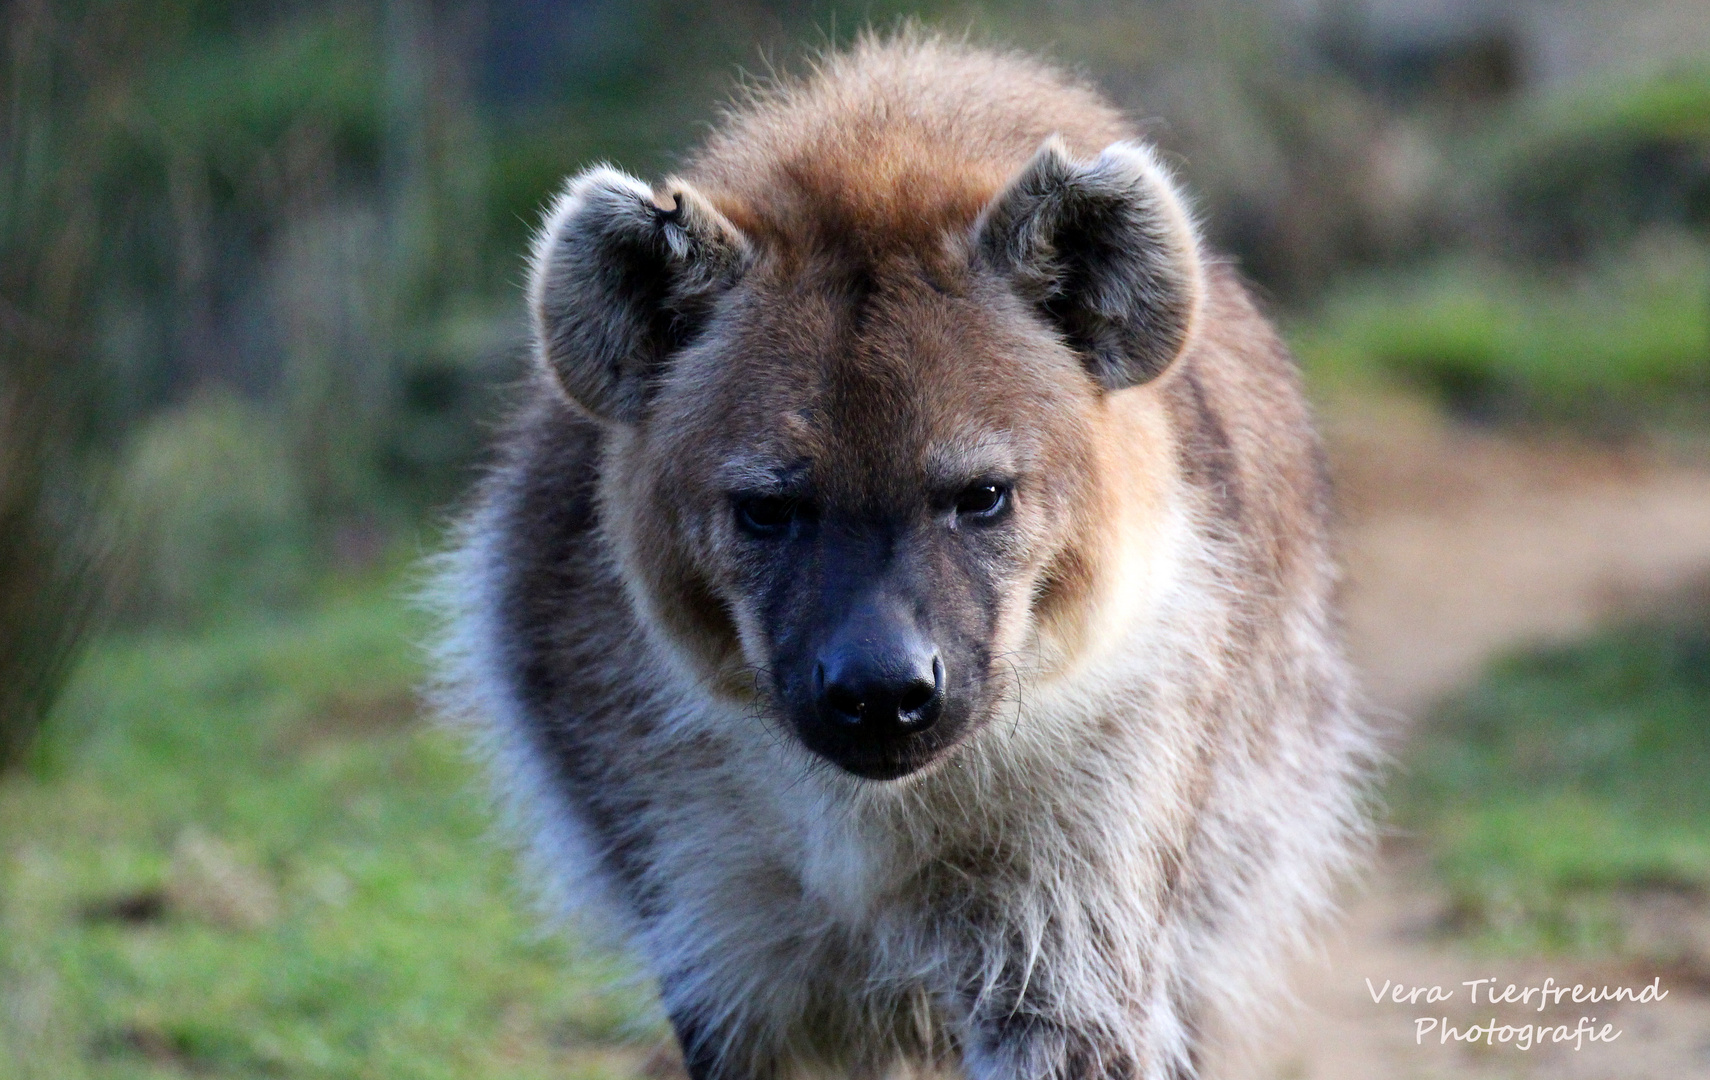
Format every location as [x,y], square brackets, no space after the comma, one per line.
[882,666]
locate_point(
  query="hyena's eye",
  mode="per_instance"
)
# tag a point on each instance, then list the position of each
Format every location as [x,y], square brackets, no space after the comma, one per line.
[764,515]
[983,501]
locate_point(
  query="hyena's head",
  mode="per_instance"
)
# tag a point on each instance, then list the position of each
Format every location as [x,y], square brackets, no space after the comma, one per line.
[857,459]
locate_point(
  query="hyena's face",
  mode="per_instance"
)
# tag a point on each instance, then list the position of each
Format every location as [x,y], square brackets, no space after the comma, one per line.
[870,477]
[845,486]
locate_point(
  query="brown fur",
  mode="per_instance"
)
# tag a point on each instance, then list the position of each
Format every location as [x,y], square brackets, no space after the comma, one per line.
[876,286]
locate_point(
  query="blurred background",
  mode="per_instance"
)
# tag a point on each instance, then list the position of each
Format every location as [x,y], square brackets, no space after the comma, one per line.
[259,309]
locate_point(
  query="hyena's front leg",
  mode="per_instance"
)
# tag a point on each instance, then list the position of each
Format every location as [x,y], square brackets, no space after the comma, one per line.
[700,1045]
[1037,1024]
[1033,1048]
[711,1052]
[720,1042]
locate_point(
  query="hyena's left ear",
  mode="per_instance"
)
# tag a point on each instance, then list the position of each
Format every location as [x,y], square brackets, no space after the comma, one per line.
[620,280]
[1106,250]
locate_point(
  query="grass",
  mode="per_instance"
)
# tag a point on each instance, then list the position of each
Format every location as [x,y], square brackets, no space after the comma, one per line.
[1615,348]
[244,855]
[1568,777]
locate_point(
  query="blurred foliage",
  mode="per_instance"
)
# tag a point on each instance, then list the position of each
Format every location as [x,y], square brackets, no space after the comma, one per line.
[250,859]
[54,116]
[269,209]
[1567,776]
[1605,348]
[214,510]
[1577,171]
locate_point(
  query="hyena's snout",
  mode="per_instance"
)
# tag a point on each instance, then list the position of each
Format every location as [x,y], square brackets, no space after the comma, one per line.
[879,677]
[875,692]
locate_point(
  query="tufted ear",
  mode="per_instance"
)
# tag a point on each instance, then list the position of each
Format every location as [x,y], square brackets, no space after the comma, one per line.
[619,282]
[1105,250]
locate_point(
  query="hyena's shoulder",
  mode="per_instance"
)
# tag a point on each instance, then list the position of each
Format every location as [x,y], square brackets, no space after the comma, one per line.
[559,665]
[540,510]
[1245,441]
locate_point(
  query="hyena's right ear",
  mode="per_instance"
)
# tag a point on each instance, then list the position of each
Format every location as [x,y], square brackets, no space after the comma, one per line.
[619,281]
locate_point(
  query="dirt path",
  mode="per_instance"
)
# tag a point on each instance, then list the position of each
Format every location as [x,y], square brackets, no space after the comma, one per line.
[1459,545]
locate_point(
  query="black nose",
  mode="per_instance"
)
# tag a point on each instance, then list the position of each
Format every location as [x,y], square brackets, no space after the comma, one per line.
[880,689]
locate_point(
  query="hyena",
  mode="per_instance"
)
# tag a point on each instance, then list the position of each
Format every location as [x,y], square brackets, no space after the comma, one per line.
[901,609]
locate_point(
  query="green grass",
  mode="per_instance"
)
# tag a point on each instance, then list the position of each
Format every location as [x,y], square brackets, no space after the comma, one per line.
[355,917]
[1566,777]
[1620,346]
